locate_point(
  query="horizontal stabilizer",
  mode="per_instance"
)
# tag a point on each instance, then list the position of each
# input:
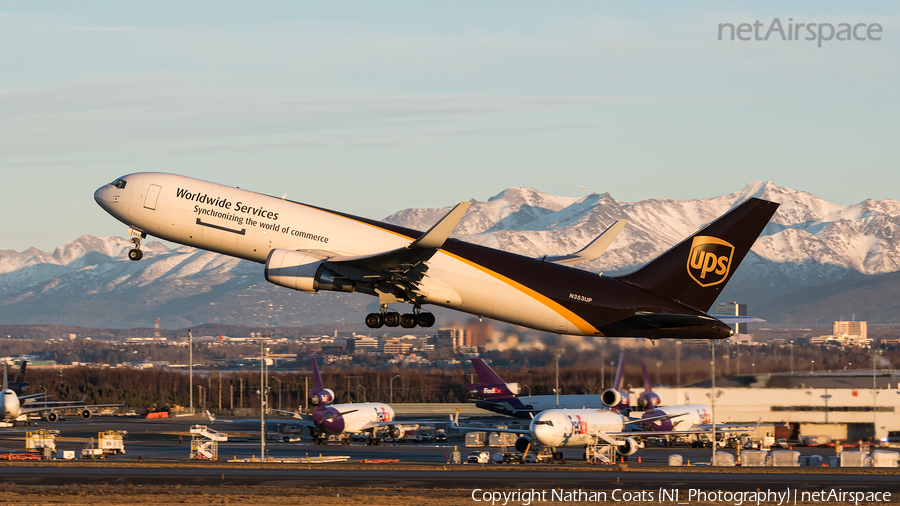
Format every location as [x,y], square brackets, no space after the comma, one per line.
[593,250]
[731,320]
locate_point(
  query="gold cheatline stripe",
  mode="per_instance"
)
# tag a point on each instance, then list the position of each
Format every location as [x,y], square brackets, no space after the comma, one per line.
[579,322]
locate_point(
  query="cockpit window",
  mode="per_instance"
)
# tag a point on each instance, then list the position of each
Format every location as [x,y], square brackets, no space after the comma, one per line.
[119,183]
[544,422]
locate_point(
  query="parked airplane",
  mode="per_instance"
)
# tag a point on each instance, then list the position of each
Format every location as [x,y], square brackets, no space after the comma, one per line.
[686,417]
[310,249]
[354,418]
[502,397]
[596,430]
[15,409]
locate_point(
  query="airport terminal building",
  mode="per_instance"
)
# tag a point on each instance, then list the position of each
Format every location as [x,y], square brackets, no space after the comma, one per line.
[841,404]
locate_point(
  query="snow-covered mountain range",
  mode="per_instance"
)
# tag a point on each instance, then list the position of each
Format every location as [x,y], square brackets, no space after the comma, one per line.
[810,242]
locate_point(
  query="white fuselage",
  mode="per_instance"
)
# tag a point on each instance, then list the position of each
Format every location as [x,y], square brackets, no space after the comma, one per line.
[249,225]
[9,405]
[559,428]
[691,416]
[358,417]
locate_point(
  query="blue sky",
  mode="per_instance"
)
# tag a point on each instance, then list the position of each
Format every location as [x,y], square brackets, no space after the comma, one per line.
[372,107]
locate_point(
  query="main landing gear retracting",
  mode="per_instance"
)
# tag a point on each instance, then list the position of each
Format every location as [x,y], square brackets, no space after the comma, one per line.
[392,318]
[136,236]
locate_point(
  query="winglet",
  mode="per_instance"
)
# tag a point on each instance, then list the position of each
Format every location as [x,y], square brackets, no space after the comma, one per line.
[438,234]
[594,249]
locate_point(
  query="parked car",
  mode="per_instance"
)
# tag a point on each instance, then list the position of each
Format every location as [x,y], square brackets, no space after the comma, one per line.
[478,458]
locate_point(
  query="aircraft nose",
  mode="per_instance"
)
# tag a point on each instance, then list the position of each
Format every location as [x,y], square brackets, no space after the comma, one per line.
[100,194]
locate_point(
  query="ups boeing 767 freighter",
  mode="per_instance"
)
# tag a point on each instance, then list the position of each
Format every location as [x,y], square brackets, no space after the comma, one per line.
[308,248]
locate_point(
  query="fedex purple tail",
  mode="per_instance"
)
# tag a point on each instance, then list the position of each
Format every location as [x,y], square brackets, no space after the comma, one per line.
[497,395]
[490,385]
[648,400]
[319,396]
[617,398]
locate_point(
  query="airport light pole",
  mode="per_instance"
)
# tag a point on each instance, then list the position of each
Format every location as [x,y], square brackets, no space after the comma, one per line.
[557,380]
[678,363]
[792,356]
[874,354]
[358,386]
[191,368]
[712,347]
[392,387]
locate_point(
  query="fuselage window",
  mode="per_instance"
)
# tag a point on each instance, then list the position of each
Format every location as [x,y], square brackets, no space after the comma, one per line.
[119,183]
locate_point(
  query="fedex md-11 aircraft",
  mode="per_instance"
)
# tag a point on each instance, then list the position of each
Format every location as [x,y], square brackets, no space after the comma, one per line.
[308,248]
[354,418]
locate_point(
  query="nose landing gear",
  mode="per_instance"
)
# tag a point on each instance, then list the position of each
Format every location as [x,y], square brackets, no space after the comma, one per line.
[136,254]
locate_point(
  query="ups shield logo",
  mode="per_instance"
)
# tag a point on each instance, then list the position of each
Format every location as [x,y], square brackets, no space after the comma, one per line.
[710,260]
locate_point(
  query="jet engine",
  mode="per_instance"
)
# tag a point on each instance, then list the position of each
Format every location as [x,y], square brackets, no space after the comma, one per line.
[629,448]
[85,413]
[522,444]
[299,271]
[610,397]
[52,417]
[647,401]
[396,431]
[323,397]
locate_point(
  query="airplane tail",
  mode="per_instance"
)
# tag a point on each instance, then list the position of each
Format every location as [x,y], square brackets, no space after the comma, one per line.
[317,378]
[648,400]
[620,373]
[5,379]
[319,396]
[20,376]
[695,271]
[647,386]
[490,385]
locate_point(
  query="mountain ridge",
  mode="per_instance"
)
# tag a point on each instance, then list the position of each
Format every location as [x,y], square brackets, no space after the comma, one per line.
[809,242]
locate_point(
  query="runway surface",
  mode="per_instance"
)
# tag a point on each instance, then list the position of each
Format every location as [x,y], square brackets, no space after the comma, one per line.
[465,479]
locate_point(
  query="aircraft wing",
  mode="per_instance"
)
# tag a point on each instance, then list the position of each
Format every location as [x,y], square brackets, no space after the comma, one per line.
[593,250]
[454,422]
[401,268]
[50,406]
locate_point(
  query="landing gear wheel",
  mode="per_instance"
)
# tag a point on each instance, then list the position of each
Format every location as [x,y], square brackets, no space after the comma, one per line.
[425,319]
[374,320]
[391,319]
[408,320]
[135,254]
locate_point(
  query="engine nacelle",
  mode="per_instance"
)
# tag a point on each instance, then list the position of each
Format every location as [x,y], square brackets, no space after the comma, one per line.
[396,431]
[610,397]
[522,444]
[52,417]
[85,413]
[323,397]
[648,401]
[299,271]
[629,448]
